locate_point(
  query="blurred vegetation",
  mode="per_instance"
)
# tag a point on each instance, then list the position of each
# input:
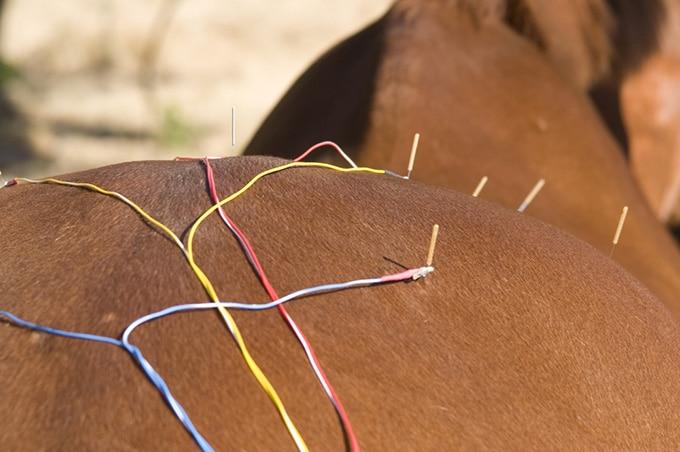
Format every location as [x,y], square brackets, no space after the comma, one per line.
[14,146]
[8,73]
[175,130]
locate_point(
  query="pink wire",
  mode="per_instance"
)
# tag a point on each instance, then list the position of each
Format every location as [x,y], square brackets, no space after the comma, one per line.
[311,355]
[408,274]
[326,143]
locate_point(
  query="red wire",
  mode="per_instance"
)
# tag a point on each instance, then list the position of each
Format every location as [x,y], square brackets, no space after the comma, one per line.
[344,419]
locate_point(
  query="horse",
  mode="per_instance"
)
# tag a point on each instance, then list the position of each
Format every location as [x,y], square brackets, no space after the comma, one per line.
[487,101]
[522,338]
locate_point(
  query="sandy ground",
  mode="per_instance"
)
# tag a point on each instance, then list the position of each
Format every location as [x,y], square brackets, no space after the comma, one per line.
[104,81]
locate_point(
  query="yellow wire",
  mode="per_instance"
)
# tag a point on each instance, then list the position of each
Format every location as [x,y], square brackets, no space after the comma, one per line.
[205,281]
[114,194]
[229,320]
[255,369]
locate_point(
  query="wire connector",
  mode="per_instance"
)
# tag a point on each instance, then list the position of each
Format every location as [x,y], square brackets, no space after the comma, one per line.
[393,174]
[8,183]
[422,272]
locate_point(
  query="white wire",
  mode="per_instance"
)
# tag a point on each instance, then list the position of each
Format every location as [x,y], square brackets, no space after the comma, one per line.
[315,290]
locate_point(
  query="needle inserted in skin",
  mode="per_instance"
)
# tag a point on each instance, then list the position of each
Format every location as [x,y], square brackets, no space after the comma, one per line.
[619,228]
[433,243]
[532,194]
[412,158]
[480,186]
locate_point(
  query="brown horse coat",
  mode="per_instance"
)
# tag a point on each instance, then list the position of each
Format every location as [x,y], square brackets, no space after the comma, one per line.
[487,102]
[524,338]
[650,97]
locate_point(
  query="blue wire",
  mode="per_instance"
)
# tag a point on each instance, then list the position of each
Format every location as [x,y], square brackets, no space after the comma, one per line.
[153,376]
[69,334]
[137,355]
[163,388]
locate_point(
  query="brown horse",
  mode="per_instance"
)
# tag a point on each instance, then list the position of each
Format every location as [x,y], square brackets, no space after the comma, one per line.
[487,101]
[524,338]
[650,97]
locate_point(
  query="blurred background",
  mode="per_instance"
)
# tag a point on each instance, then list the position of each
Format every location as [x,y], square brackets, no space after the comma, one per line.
[87,83]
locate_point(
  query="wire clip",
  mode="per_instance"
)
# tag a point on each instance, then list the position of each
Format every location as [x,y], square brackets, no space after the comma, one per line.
[422,272]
